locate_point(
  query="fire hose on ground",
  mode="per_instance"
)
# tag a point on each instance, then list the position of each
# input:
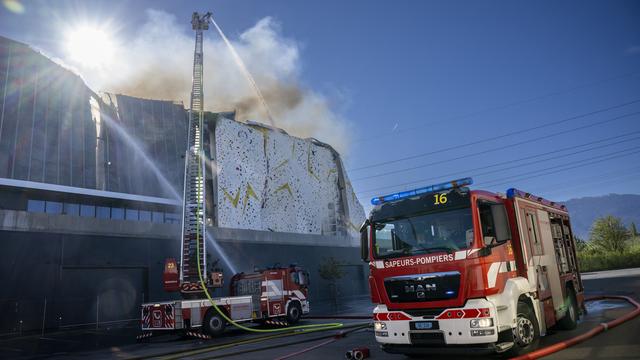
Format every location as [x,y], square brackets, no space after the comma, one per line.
[589,334]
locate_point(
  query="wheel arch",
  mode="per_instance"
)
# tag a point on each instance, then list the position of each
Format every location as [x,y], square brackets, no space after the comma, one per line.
[291,302]
[213,310]
[516,289]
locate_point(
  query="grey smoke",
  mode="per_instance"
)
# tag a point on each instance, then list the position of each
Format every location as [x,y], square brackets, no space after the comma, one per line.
[156,63]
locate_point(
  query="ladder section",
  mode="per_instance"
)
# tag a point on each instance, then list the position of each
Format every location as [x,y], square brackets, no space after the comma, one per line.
[193,218]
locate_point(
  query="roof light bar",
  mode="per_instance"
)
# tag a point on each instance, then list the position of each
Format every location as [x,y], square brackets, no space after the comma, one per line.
[423,190]
[512,192]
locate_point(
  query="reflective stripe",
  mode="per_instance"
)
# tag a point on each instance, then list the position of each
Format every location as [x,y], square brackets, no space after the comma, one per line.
[499,268]
[492,275]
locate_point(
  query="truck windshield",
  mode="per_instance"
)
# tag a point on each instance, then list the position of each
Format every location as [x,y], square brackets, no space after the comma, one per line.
[443,231]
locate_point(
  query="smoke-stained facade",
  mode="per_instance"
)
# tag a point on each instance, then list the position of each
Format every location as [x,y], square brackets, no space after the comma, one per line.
[159,128]
[47,133]
[54,129]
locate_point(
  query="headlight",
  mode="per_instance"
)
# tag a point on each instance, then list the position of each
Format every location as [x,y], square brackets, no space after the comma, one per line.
[379,326]
[481,323]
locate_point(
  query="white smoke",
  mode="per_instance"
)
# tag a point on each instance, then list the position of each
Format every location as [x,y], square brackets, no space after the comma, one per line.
[157,63]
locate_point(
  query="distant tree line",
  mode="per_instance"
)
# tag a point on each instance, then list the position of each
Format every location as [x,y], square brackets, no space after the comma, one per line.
[611,245]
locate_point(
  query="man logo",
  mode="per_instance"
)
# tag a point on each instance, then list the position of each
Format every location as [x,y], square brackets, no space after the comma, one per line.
[420,288]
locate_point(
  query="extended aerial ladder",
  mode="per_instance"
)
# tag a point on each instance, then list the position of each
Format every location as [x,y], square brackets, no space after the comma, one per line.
[193,216]
[286,292]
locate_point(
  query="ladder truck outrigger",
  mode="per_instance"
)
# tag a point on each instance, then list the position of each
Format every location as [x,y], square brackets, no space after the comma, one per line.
[277,294]
[455,270]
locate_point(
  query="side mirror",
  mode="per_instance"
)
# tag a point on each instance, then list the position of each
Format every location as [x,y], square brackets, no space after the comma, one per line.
[364,241]
[501,223]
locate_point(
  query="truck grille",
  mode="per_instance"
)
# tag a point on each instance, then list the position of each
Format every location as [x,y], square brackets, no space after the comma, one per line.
[425,313]
[423,287]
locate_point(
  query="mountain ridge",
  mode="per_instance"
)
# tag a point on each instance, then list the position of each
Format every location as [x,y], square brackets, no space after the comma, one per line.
[585,210]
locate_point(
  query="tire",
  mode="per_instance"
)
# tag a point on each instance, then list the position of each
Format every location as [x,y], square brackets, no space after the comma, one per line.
[294,312]
[213,323]
[570,319]
[526,335]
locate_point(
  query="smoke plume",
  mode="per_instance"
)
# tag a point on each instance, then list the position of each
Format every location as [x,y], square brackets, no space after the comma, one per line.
[157,64]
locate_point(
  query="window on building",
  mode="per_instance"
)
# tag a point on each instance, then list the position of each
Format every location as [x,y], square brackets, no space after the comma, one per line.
[145,215]
[54,207]
[103,212]
[157,217]
[35,206]
[87,210]
[117,213]
[71,209]
[131,214]
[171,218]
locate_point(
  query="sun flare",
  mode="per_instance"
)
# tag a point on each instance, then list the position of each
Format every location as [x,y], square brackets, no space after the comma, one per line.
[90,46]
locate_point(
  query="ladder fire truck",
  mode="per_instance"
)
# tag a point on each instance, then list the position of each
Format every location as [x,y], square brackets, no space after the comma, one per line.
[454,269]
[273,293]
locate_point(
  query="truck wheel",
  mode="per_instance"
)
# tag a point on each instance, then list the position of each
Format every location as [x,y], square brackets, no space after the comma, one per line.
[526,335]
[294,312]
[570,319]
[213,323]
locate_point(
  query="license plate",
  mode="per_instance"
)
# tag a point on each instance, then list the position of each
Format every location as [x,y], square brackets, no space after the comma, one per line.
[424,325]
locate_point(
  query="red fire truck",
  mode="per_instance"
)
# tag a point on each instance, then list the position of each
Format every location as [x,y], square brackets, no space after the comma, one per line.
[276,293]
[454,269]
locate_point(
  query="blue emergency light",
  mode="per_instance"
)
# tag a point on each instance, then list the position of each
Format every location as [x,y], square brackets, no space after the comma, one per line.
[423,190]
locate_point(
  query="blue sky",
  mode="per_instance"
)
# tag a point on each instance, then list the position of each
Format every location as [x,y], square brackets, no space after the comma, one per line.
[412,77]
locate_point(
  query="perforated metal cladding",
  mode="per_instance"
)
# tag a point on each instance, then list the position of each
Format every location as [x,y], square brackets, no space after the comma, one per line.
[269,180]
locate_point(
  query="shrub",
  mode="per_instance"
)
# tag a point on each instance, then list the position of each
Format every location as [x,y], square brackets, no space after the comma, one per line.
[608,234]
[609,260]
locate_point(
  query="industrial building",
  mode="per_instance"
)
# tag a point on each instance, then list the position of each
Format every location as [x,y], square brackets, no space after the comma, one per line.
[90,187]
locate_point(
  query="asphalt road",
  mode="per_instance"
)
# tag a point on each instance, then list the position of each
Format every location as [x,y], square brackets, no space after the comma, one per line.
[619,343]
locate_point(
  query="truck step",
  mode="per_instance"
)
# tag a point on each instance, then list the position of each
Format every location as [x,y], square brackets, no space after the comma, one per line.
[198,335]
[504,346]
[144,336]
[276,322]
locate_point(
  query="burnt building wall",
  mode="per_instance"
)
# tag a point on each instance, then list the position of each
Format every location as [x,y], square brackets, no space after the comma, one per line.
[47,133]
[159,128]
[54,129]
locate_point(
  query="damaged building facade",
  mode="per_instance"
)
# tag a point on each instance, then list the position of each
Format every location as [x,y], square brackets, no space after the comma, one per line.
[90,185]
